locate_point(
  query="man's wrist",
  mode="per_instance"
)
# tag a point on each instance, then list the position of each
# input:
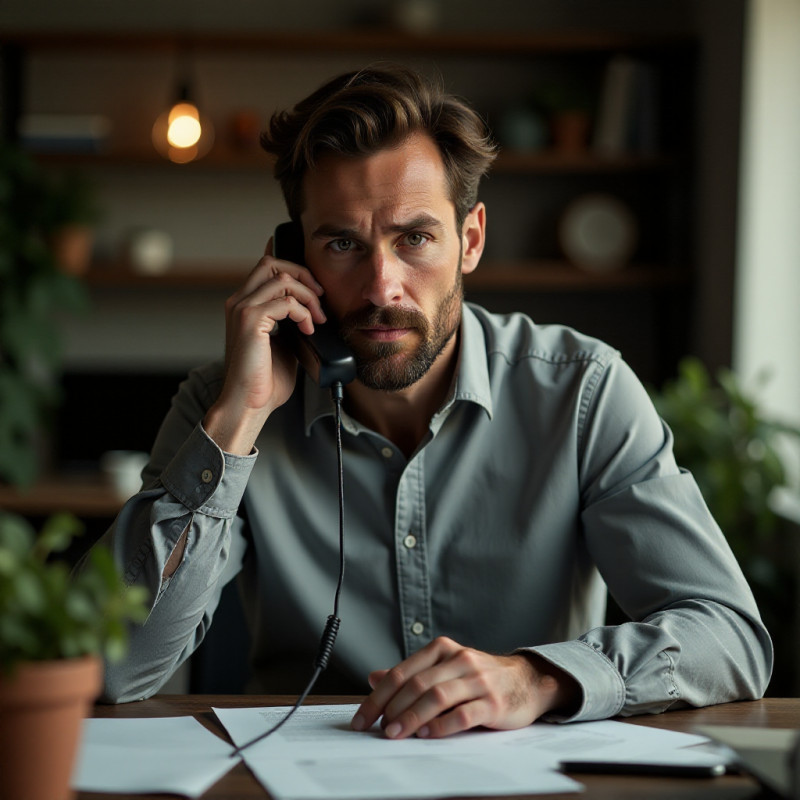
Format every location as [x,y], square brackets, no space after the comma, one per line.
[233,433]
[558,691]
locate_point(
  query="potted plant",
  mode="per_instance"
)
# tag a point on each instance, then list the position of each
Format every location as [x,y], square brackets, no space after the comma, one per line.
[54,628]
[71,214]
[731,446]
[567,107]
[33,291]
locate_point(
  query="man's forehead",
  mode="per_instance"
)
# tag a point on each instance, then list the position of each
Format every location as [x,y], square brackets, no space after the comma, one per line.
[397,184]
[413,163]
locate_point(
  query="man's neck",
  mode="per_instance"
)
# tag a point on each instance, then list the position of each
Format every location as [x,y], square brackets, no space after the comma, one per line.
[403,417]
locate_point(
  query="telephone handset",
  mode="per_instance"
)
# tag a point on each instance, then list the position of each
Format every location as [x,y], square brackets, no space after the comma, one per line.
[324,356]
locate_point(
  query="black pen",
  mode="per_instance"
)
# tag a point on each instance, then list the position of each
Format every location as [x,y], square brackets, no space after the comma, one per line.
[710,770]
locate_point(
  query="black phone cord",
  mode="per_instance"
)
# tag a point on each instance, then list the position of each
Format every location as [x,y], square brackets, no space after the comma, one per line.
[328,639]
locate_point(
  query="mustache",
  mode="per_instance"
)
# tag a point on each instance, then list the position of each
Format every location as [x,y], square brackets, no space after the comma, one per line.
[385,316]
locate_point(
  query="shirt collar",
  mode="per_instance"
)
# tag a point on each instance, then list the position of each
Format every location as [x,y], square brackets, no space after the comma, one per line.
[472,379]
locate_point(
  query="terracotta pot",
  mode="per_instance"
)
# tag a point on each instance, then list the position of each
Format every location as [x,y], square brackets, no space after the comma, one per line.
[42,705]
[72,248]
[571,131]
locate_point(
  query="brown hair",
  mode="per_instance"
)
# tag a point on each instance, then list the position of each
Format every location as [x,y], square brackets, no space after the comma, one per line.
[360,113]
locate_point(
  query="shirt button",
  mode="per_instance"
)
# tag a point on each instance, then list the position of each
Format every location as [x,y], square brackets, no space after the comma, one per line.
[417,628]
[410,541]
[387,452]
[206,476]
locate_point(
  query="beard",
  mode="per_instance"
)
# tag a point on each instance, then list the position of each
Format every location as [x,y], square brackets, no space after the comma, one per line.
[390,366]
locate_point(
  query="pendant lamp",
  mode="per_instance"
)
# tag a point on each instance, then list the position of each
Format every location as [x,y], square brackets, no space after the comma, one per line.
[182,134]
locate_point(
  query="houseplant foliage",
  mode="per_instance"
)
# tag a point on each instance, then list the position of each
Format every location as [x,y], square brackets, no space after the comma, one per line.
[34,206]
[732,448]
[53,628]
[46,614]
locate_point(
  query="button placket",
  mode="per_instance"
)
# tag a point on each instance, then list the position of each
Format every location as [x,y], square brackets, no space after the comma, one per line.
[412,567]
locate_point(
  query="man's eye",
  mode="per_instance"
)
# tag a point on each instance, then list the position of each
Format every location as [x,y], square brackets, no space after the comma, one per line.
[341,245]
[416,239]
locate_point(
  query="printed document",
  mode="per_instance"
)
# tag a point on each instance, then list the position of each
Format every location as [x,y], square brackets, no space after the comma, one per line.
[316,755]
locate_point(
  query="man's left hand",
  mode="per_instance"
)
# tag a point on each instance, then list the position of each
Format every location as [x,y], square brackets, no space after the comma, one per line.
[445,688]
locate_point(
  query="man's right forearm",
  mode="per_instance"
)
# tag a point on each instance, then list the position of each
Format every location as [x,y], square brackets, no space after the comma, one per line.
[234,432]
[183,599]
[189,510]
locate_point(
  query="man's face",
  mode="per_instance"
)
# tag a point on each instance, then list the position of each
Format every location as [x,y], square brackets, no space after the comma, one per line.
[381,238]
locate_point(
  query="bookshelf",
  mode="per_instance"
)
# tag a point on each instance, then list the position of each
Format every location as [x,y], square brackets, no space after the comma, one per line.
[526,193]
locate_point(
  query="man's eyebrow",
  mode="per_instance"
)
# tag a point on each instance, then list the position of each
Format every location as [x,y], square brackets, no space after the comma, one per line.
[330,231]
[420,221]
[333,232]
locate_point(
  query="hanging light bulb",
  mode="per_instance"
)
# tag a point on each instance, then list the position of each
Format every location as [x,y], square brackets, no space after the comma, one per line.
[181,133]
[184,125]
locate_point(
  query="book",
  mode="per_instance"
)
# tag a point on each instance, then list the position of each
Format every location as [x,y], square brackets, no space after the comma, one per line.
[64,133]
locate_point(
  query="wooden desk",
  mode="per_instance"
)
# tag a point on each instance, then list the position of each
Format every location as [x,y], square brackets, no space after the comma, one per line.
[240,784]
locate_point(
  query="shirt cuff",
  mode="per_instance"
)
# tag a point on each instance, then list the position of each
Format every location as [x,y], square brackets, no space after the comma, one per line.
[206,479]
[602,687]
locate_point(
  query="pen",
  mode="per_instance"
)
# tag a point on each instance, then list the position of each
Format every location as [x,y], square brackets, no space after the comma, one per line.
[644,768]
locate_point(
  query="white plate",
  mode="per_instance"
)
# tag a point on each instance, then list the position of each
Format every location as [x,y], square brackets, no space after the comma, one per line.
[598,233]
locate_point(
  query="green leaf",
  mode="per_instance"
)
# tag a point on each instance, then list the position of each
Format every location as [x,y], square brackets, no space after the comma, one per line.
[57,533]
[16,535]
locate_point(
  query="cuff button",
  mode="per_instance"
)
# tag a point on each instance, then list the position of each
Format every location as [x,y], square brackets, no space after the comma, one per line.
[206,476]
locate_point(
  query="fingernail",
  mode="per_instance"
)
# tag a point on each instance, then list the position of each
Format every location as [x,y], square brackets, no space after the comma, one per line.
[393,730]
[357,723]
[424,732]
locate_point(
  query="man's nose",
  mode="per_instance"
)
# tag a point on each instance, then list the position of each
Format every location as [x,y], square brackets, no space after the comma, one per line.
[382,283]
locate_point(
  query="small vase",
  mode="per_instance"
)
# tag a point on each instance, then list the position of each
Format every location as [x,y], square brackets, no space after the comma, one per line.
[72,248]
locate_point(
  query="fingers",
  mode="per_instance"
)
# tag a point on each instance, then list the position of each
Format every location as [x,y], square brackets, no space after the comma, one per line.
[415,691]
[277,290]
[269,268]
[375,678]
[446,688]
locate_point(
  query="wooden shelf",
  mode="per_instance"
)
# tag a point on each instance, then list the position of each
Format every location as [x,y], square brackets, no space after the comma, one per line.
[558,276]
[587,162]
[84,496]
[490,277]
[348,41]
[201,275]
[220,157]
[507,162]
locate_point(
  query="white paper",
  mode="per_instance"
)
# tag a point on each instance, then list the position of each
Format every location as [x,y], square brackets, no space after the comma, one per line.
[316,755]
[175,755]
[409,776]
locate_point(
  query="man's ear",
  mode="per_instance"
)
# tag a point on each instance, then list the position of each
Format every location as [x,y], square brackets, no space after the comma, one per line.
[473,238]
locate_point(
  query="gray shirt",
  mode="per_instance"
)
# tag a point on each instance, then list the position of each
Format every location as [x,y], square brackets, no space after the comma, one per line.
[546,476]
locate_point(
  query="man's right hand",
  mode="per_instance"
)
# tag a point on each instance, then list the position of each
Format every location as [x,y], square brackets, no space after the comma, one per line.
[259,376]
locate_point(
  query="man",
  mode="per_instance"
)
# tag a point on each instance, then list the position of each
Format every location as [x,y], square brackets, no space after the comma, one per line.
[494,469]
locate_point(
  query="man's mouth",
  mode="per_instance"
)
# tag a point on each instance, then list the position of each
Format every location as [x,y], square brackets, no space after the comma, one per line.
[384,334]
